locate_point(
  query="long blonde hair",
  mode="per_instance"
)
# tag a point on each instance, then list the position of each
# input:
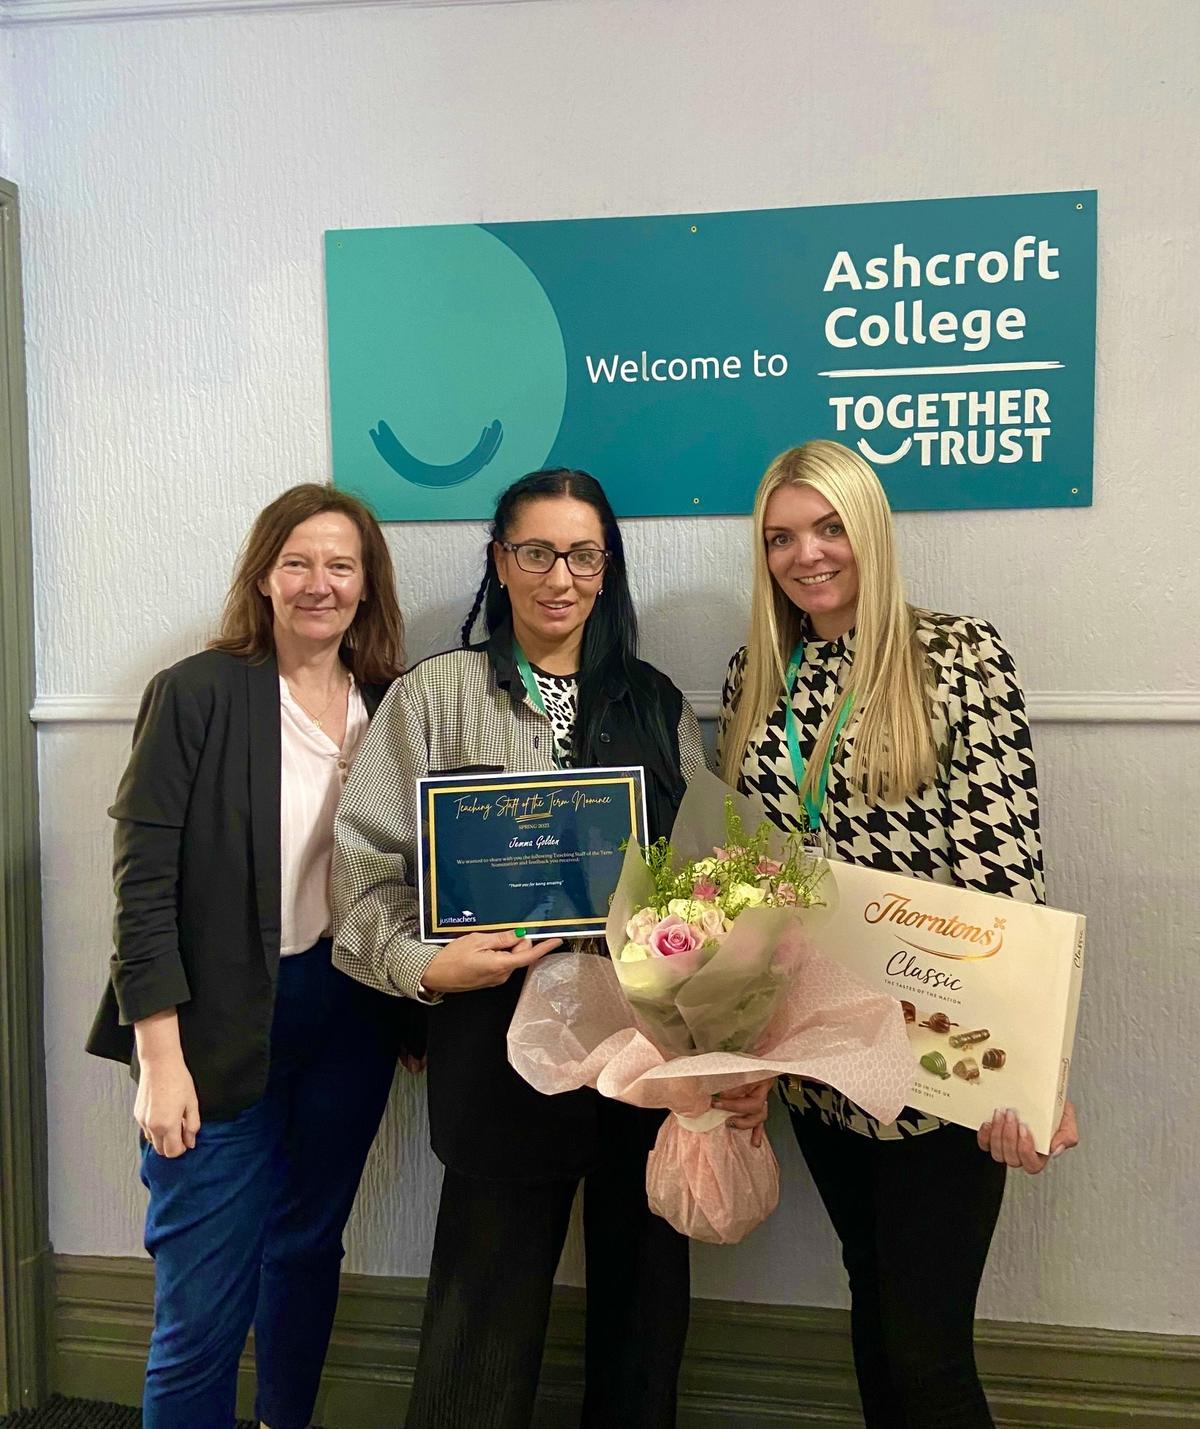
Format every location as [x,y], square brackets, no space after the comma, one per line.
[894,752]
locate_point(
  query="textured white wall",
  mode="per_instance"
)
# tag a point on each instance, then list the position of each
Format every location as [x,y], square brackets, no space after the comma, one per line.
[8,156]
[177,174]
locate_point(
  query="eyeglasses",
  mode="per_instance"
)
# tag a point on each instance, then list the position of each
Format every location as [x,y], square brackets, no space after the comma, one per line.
[537,559]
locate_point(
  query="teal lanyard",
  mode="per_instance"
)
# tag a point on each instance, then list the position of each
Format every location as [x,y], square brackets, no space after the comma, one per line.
[529,680]
[813,803]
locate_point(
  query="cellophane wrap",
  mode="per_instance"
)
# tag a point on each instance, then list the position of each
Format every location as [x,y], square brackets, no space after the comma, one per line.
[670,1032]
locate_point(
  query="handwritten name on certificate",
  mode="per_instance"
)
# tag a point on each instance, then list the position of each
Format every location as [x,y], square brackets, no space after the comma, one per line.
[540,851]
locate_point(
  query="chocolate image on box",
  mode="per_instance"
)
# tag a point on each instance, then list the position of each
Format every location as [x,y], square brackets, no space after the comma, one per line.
[934,1062]
[967,1069]
[994,1058]
[910,1012]
[968,1039]
[939,1022]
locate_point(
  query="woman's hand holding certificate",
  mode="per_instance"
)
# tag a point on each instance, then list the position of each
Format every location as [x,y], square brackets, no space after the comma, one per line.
[482,960]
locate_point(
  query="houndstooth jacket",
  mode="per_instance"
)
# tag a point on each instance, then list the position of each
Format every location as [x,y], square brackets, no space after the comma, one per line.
[976,825]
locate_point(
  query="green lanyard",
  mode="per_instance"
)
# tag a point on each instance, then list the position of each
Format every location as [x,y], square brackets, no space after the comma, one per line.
[529,680]
[813,803]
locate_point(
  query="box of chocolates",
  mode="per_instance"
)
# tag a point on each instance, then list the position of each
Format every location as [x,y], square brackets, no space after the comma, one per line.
[989,988]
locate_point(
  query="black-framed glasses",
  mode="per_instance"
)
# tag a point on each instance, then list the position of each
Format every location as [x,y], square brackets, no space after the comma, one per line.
[537,559]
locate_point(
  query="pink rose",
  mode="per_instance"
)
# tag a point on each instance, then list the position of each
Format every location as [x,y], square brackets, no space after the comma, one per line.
[673,936]
[722,855]
[785,893]
[705,888]
[767,866]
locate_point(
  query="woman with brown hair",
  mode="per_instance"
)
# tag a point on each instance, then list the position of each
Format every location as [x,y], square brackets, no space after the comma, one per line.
[262,1071]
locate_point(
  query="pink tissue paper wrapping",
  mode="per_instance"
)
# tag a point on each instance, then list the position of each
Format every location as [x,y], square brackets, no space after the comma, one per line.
[664,1039]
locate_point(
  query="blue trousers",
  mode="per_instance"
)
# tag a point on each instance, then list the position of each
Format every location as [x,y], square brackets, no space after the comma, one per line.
[246,1228]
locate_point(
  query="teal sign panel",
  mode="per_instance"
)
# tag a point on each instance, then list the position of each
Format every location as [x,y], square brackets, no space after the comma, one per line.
[951,341]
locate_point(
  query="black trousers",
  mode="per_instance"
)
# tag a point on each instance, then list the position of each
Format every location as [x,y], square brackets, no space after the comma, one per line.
[915,1219]
[495,1252]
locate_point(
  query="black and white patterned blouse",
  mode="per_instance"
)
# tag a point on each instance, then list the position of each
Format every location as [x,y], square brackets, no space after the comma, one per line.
[560,695]
[975,826]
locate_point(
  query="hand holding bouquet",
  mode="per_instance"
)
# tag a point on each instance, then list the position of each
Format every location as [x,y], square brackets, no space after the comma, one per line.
[710,984]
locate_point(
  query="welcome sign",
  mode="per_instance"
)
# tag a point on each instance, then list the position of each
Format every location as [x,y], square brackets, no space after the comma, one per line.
[950,341]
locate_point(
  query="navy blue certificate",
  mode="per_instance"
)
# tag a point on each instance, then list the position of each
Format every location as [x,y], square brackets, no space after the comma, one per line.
[539,851]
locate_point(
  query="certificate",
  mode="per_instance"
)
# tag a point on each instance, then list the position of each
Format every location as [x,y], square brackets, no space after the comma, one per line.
[540,851]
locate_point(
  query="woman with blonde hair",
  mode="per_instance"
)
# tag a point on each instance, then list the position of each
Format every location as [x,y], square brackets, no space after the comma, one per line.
[893,737]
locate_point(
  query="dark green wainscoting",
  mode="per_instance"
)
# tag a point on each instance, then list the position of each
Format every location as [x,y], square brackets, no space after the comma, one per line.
[747,1365]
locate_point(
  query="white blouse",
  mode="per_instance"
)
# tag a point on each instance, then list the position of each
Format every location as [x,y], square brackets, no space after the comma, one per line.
[312,774]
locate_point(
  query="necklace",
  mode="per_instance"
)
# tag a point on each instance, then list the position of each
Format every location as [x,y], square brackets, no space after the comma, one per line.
[316,719]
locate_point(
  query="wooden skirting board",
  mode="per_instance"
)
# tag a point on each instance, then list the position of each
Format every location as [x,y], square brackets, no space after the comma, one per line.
[747,1366]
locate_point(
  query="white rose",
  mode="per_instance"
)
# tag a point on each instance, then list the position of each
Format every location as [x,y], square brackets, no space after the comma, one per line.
[744,895]
[704,866]
[634,953]
[701,914]
[641,925]
[712,922]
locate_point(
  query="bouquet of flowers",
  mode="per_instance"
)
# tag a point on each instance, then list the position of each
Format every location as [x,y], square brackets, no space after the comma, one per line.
[711,983]
[686,911]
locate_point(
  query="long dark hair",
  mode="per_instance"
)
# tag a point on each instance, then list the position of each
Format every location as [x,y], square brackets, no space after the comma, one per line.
[373,646]
[608,662]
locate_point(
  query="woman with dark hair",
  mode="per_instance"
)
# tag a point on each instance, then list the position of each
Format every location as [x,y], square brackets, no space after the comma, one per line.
[262,1072]
[556,682]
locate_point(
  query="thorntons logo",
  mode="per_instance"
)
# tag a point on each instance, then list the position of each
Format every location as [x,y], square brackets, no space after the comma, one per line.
[897,908]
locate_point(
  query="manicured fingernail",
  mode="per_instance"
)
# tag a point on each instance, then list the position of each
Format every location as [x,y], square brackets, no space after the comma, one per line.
[518,932]
[716,1096]
[995,1109]
[1058,1151]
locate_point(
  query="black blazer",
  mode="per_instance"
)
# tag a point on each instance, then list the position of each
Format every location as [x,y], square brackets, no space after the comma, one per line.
[196,868]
